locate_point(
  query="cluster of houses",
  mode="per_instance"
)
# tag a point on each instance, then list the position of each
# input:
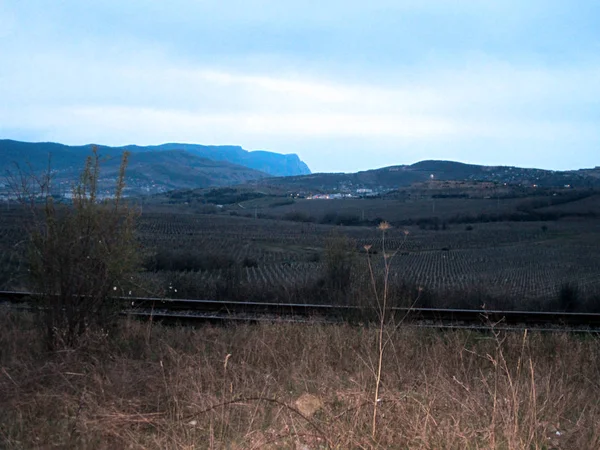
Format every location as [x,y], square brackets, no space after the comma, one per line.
[362,192]
[328,196]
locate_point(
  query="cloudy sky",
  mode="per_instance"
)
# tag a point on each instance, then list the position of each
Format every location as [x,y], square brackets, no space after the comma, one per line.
[347,85]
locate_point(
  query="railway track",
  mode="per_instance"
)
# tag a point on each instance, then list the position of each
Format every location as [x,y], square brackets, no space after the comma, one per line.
[191,311]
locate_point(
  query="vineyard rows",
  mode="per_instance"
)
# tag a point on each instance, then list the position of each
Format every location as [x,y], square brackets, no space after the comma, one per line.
[519,260]
[522,261]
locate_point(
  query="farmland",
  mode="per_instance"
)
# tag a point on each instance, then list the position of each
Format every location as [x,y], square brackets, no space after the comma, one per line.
[523,263]
[147,384]
[241,252]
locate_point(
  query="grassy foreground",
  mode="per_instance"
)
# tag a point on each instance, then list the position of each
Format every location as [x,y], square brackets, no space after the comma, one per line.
[247,386]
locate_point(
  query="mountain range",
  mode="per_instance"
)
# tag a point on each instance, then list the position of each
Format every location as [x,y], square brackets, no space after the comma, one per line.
[153,168]
[160,168]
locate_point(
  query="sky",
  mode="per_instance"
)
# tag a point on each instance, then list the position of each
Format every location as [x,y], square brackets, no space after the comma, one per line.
[347,85]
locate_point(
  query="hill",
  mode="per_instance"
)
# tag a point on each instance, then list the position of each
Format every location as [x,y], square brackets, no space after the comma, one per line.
[154,168]
[431,173]
[274,164]
[147,172]
[175,169]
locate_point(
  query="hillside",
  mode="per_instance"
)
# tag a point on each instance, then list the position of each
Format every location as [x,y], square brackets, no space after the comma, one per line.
[153,168]
[147,172]
[188,166]
[176,169]
[274,164]
[396,177]
[63,156]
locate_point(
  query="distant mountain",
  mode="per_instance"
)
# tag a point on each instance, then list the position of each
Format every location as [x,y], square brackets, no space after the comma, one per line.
[176,169]
[275,164]
[148,171]
[158,167]
[395,177]
[272,163]
[187,166]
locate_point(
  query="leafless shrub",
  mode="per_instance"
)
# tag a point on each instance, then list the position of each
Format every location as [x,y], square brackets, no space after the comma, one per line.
[79,253]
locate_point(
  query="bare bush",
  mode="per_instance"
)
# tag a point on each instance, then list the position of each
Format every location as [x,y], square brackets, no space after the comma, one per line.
[79,253]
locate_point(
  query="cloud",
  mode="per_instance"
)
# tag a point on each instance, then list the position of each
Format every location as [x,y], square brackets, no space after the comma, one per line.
[485,99]
[293,78]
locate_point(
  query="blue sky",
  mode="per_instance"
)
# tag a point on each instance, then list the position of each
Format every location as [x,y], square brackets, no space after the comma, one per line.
[347,85]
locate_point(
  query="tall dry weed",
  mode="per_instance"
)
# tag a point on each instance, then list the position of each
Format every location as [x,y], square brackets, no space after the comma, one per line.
[176,388]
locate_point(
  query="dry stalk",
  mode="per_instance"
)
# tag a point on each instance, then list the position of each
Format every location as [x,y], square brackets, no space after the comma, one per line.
[382,309]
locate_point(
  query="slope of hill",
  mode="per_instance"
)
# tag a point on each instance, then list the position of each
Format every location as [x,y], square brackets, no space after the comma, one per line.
[182,166]
[274,164]
[147,172]
[395,177]
[177,169]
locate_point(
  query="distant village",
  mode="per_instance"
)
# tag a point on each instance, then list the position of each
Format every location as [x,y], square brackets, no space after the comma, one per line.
[490,182]
[64,189]
[358,193]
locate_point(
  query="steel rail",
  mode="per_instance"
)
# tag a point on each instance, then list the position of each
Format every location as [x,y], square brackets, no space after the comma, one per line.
[218,308]
[194,318]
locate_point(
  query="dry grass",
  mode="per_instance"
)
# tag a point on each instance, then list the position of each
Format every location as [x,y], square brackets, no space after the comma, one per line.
[242,387]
